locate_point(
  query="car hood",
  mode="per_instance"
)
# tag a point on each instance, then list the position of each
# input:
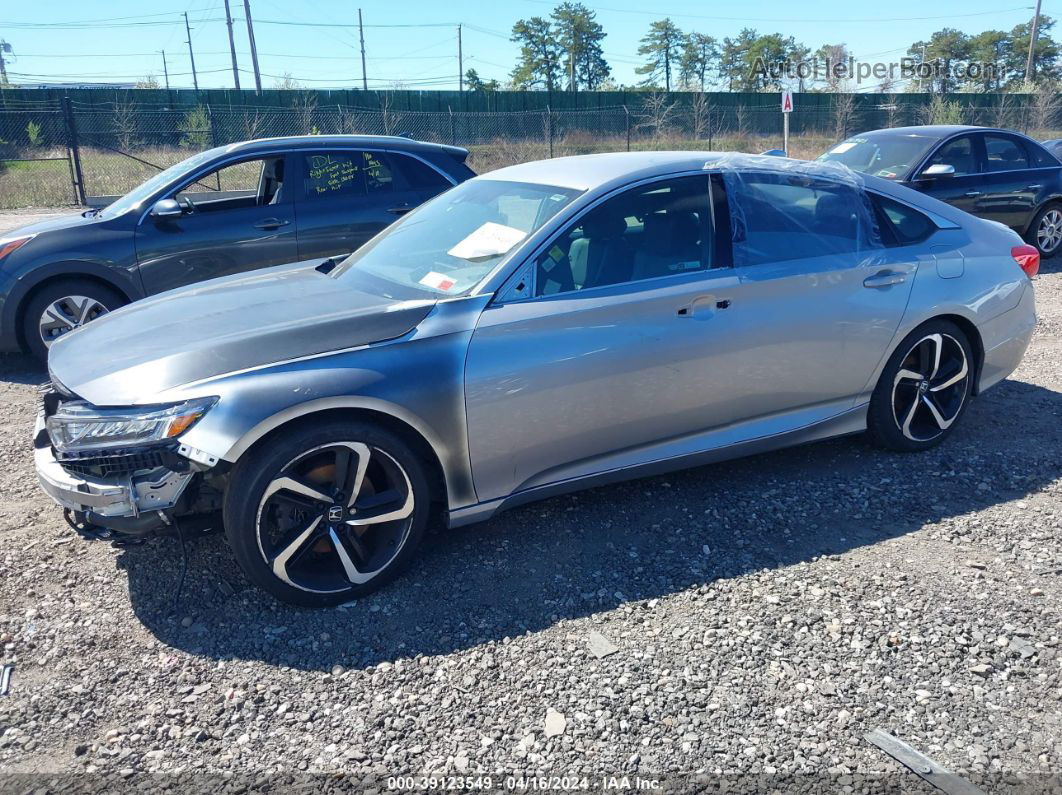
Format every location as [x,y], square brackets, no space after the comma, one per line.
[132,355]
[52,224]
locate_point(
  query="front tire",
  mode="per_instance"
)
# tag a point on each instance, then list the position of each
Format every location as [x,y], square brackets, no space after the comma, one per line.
[61,307]
[924,389]
[320,516]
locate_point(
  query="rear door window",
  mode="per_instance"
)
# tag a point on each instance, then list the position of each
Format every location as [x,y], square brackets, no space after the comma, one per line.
[346,173]
[1004,153]
[778,217]
[331,175]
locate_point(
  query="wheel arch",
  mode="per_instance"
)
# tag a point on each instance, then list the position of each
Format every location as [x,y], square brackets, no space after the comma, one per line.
[1055,200]
[416,437]
[54,276]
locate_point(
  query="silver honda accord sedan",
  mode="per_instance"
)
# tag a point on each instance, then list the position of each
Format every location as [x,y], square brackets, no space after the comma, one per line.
[536,330]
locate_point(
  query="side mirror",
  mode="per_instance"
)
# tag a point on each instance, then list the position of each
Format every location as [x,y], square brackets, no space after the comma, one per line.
[938,170]
[166,208]
[774,153]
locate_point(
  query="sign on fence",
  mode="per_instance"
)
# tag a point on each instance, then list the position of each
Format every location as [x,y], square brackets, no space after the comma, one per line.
[787,108]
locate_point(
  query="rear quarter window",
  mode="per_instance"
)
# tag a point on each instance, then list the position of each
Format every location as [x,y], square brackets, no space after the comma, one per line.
[901,225]
[419,175]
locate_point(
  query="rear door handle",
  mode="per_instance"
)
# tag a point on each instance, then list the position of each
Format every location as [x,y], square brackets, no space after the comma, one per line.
[702,306]
[972,193]
[271,223]
[884,279]
[399,210]
[1033,187]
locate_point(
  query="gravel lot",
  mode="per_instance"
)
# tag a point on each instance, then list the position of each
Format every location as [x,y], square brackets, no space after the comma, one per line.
[765,614]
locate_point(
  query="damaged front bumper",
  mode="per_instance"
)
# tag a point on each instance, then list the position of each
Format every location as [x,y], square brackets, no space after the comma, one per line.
[127,491]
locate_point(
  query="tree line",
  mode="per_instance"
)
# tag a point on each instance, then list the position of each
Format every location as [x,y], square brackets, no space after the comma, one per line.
[565,52]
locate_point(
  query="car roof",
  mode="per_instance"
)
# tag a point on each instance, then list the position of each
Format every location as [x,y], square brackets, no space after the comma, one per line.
[324,141]
[936,130]
[591,172]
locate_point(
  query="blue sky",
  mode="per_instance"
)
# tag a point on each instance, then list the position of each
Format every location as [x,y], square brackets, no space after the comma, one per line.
[414,42]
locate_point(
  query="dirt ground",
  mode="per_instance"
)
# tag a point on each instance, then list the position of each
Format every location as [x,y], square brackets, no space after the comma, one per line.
[762,615]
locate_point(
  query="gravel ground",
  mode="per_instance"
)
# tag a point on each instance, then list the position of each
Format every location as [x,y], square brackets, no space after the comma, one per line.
[764,615]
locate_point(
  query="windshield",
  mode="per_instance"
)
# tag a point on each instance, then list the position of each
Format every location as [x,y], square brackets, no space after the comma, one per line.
[448,245]
[146,189]
[891,156]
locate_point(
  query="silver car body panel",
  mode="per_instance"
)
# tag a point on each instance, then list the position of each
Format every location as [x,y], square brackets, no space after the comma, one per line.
[523,399]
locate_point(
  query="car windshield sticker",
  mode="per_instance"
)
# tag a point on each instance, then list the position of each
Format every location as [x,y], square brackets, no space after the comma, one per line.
[490,240]
[438,281]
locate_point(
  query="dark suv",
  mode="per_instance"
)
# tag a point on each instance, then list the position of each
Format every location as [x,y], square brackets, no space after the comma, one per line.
[227,210]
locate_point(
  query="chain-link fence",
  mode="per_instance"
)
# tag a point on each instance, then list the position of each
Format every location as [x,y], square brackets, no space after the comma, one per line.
[80,152]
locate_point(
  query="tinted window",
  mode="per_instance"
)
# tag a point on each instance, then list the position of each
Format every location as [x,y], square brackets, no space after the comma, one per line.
[332,174]
[1041,158]
[346,173]
[379,175]
[419,175]
[656,230]
[778,217]
[905,225]
[959,154]
[1003,153]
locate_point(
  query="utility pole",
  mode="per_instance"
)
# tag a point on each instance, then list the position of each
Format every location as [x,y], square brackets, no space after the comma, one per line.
[4,47]
[165,70]
[460,63]
[191,55]
[1030,63]
[254,49]
[232,46]
[361,35]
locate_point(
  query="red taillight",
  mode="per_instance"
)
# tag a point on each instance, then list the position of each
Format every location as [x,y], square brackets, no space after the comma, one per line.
[1028,258]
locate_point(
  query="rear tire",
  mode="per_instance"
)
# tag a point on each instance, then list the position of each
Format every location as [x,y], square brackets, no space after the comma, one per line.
[62,306]
[924,389]
[1045,232]
[306,513]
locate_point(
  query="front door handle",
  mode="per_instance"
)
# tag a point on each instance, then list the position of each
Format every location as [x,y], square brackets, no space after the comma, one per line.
[884,279]
[271,223]
[1033,187]
[970,194]
[399,210]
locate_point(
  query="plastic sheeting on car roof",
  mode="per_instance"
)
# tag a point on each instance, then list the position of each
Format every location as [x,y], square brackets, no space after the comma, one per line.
[783,209]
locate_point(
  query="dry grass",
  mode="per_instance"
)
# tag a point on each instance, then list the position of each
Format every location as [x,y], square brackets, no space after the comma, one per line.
[46,183]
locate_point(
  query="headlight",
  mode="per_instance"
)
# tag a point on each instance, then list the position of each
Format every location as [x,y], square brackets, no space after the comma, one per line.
[79,425]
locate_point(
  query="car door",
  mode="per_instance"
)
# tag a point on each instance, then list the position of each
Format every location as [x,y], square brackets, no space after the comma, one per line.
[819,301]
[965,187]
[236,217]
[347,196]
[616,348]
[1011,182]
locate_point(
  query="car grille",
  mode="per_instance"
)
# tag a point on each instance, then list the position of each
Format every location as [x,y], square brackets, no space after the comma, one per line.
[119,462]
